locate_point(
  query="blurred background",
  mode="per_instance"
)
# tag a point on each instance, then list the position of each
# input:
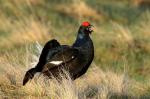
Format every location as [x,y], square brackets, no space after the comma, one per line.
[121,31]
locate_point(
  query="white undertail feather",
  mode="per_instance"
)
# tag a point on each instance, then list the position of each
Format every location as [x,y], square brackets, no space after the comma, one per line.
[56,62]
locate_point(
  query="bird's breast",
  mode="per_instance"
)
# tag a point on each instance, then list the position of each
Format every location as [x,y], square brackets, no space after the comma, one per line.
[84,57]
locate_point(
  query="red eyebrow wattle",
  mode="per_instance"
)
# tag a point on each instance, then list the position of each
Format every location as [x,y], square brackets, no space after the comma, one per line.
[85,24]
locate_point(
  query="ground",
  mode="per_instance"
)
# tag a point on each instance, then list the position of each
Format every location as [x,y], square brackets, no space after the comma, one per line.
[121,67]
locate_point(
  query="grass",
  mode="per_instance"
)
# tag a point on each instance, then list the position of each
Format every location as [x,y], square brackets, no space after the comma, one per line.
[104,84]
[121,39]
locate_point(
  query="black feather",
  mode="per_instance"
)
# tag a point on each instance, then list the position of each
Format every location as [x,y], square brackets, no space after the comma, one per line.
[75,59]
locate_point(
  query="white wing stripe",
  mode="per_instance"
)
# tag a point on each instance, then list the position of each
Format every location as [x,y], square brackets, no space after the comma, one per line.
[56,62]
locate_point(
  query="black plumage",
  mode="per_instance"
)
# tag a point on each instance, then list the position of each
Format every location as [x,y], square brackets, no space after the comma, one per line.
[75,59]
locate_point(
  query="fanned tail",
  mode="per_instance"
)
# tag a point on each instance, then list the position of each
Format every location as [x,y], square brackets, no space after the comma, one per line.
[29,75]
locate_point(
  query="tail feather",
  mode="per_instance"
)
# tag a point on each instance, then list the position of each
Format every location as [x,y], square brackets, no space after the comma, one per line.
[29,75]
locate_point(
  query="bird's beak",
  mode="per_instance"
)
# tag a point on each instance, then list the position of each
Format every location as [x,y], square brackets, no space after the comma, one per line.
[91,28]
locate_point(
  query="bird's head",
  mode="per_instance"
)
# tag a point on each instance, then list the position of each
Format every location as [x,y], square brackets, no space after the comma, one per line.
[86,28]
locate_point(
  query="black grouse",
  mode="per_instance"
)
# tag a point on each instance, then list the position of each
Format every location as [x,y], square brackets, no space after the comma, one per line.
[75,59]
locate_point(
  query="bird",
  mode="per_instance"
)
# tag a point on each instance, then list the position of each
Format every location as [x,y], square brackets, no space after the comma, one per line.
[75,59]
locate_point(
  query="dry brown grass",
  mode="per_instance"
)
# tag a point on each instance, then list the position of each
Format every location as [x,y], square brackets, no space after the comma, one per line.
[124,35]
[33,31]
[22,28]
[79,9]
[23,32]
[96,84]
[140,3]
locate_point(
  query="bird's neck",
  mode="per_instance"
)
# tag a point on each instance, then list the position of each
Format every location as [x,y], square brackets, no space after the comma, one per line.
[81,40]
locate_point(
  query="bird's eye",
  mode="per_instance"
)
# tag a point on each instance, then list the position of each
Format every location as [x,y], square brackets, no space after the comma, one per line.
[89,29]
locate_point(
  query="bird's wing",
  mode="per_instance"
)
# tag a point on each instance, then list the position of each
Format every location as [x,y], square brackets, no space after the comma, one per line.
[48,46]
[62,57]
